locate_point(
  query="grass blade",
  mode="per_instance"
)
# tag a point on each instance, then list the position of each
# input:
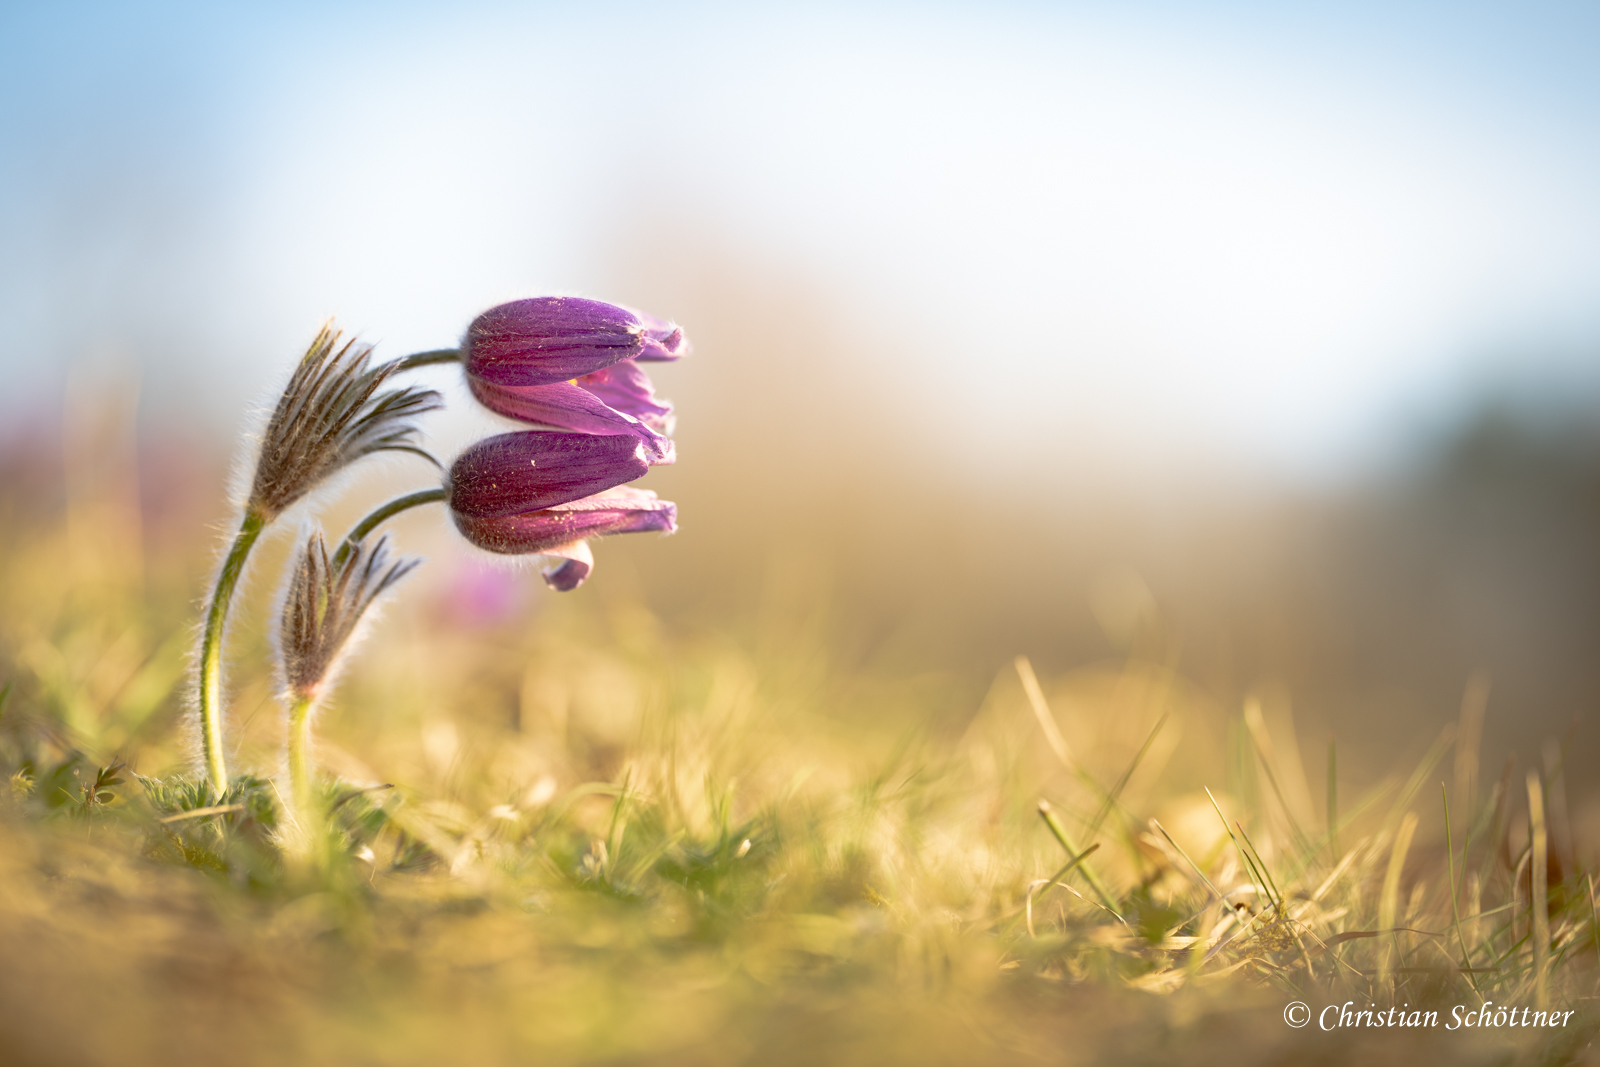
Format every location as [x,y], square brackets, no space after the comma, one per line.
[1455,905]
[1036,893]
[1469,742]
[1333,801]
[1060,834]
[1594,916]
[1414,784]
[1539,896]
[1041,711]
[1264,751]
[1255,875]
[1261,865]
[1116,790]
[1163,831]
[1387,904]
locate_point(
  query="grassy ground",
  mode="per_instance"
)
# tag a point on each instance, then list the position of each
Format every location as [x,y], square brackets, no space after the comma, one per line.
[559,833]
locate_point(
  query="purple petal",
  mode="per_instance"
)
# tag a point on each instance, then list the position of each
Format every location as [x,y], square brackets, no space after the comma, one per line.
[566,406]
[566,566]
[534,469]
[617,511]
[664,341]
[552,339]
[627,388]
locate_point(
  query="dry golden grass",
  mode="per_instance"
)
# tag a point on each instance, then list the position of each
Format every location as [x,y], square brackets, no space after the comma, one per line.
[567,833]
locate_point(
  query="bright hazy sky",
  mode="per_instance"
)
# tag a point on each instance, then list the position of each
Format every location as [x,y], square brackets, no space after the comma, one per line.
[1201,228]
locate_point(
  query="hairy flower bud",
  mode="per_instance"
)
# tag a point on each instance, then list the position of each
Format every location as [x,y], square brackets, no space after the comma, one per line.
[330,415]
[324,606]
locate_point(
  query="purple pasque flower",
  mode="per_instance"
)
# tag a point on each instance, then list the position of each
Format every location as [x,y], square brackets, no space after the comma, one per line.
[626,388]
[545,492]
[573,364]
[615,400]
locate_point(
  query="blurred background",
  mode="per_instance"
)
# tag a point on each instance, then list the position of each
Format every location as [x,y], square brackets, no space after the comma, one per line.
[1254,343]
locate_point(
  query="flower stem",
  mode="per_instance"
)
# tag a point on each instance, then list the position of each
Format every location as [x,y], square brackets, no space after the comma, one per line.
[299,761]
[428,359]
[383,514]
[211,649]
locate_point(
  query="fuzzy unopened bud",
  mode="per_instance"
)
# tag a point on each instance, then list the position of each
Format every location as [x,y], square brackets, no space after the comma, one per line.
[324,607]
[330,415]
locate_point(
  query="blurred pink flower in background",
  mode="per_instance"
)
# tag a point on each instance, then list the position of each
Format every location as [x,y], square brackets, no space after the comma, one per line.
[482,593]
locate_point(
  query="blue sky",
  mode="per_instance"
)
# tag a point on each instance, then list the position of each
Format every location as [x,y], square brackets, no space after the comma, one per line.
[1230,230]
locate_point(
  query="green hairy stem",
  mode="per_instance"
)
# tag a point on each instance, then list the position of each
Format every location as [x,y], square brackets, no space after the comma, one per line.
[383,514]
[211,649]
[299,761]
[428,359]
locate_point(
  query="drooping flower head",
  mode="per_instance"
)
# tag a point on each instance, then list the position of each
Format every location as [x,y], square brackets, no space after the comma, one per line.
[573,364]
[546,492]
